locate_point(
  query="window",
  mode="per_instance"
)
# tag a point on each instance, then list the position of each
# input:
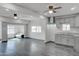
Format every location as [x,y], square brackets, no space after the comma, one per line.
[66,27]
[36,28]
[11,29]
[33,28]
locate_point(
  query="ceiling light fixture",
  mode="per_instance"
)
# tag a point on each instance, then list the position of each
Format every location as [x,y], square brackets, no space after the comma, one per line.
[15,16]
[73,8]
[50,11]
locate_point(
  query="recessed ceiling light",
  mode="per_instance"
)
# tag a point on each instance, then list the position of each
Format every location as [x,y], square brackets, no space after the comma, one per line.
[50,11]
[73,8]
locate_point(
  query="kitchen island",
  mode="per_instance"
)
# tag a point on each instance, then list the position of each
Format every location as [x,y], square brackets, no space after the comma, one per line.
[68,38]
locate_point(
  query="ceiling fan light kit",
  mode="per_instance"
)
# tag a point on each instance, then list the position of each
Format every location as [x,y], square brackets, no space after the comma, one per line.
[15,16]
[52,9]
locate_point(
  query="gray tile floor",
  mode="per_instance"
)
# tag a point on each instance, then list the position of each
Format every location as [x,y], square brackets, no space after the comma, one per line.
[33,47]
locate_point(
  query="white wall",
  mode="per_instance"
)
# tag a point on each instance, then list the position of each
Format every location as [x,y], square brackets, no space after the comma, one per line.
[26,30]
[4,31]
[36,35]
[0,31]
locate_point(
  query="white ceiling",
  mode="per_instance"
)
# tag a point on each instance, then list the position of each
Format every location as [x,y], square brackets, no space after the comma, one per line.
[8,9]
[31,11]
[41,7]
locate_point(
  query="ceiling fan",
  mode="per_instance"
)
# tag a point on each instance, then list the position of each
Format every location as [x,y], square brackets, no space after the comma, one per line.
[52,9]
[15,15]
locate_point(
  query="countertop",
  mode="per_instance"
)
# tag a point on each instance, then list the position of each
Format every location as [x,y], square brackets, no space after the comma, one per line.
[72,32]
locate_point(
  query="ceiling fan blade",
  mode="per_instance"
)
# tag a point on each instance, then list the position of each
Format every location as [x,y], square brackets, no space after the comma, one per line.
[45,11]
[57,7]
[54,11]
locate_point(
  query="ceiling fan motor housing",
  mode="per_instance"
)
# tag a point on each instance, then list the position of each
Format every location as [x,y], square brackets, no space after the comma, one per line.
[50,7]
[15,14]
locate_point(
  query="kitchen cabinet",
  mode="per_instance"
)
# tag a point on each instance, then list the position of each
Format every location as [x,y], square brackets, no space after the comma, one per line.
[71,41]
[64,39]
[77,21]
[76,45]
[58,38]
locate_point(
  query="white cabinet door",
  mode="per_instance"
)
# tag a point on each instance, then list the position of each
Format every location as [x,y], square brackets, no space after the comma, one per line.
[77,21]
[58,38]
[64,39]
[71,41]
[68,40]
[76,45]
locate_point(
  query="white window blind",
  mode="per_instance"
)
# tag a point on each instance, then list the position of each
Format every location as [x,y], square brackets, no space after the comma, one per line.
[66,27]
[36,29]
